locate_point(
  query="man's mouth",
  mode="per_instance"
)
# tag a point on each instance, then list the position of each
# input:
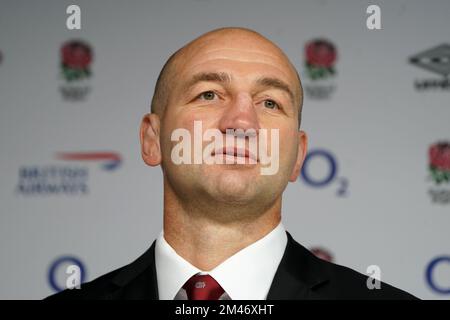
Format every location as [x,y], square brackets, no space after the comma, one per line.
[236,153]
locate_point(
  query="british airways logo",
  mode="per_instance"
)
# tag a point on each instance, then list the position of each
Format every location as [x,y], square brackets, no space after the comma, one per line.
[62,179]
[109,160]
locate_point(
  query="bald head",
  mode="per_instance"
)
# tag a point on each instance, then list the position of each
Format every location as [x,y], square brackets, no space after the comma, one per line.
[238,38]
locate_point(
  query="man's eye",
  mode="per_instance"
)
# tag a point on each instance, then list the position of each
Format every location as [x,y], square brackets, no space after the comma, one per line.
[208,95]
[271,104]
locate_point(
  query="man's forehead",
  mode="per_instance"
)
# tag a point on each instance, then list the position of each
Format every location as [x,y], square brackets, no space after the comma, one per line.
[237,48]
[233,50]
[246,46]
[238,61]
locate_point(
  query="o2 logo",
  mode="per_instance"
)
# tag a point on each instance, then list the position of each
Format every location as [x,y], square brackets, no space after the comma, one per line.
[330,172]
[430,274]
[66,272]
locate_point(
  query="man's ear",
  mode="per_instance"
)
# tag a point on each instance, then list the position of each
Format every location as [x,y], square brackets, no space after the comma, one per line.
[301,154]
[149,135]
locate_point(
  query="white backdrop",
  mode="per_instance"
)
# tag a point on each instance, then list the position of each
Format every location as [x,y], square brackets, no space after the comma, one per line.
[99,204]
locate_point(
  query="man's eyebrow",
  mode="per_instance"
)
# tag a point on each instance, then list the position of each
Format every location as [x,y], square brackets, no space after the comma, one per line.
[278,84]
[220,77]
[223,77]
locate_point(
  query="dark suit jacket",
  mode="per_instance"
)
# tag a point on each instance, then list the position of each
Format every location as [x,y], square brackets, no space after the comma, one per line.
[300,275]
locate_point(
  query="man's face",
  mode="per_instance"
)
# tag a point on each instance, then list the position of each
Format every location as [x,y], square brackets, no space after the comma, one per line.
[234,82]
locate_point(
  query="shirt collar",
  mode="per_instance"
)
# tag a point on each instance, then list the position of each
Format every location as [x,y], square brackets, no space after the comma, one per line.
[247,275]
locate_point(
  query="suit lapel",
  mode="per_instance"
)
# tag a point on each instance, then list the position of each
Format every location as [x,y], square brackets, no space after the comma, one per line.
[297,275]
[138,279]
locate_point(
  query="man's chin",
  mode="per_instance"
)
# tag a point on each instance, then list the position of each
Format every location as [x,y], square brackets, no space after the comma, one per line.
[232,185]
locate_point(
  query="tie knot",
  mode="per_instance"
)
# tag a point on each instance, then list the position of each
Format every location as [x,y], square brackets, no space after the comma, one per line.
[203,287]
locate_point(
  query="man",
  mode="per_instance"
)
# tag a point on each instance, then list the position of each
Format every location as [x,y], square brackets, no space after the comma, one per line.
[222,236]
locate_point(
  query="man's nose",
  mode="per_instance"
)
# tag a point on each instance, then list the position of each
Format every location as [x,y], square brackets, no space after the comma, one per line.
[240,114]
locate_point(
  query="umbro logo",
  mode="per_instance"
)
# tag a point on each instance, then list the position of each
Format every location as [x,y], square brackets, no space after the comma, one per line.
[436,60]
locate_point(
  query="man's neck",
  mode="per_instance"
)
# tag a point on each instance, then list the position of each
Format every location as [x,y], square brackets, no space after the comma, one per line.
[206,242]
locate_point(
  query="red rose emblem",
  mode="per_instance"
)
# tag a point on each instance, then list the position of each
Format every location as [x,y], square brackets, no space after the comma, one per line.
[76,55]
[320,53]
[439,155]
[322,254]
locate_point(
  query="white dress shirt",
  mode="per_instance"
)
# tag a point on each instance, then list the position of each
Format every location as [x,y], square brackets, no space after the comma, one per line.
[246,275]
